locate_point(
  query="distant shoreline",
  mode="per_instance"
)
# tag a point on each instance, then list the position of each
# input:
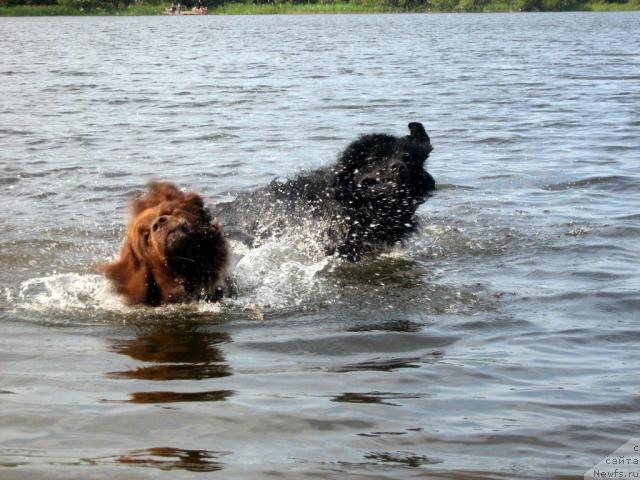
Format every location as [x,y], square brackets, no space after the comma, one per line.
[465,6]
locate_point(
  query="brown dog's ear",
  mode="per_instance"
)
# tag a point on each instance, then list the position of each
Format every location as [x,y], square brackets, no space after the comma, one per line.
[158,192]
[130,277]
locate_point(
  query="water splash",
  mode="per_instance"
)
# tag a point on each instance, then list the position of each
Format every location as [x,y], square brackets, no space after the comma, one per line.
[276,275]
[68,292]
[291,271]
[280,274]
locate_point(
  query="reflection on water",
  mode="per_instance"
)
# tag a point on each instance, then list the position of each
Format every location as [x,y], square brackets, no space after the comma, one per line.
[163,458]
[173,342]
[404,458]
[176,372]
[173,459]
[382,364]
[374,397]
[176,397]
[385,270]
[406,326]
[179,350]
[390,364]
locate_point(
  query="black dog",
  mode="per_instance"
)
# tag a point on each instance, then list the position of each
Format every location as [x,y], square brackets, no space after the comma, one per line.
[366,201]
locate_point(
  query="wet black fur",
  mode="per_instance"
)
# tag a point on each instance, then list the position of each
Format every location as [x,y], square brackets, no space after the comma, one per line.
[365,201]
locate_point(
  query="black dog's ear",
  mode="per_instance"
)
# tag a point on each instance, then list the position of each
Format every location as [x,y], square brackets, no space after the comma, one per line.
[418,132]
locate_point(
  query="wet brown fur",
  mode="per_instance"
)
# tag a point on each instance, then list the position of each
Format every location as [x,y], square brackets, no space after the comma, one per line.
[173,250]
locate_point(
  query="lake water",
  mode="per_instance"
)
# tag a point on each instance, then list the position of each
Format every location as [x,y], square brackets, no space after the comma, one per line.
[500,341]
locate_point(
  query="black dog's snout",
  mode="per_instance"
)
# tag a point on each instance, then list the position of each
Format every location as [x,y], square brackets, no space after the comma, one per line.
[368,182]
[158,222]
[397,167]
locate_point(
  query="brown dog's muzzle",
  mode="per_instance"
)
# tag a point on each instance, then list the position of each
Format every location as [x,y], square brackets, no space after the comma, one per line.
[169,231]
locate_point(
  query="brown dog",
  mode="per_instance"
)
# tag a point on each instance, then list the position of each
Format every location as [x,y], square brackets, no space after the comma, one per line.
[173,250]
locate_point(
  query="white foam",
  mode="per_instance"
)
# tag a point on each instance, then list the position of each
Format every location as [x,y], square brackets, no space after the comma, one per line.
[280,274]
[292,271]
[68,292]
[74,292]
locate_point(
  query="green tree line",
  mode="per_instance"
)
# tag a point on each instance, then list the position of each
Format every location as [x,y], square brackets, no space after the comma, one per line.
[89,6]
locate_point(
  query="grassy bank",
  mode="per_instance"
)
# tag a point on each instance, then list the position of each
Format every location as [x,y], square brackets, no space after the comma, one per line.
[249,8]
[313,8]
[614,7]
[449,7]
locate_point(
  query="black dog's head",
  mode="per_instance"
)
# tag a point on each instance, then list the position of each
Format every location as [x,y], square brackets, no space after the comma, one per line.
[380,181]
[385,173]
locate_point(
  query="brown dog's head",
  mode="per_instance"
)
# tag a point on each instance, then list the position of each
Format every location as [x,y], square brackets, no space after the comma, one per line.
[173,250]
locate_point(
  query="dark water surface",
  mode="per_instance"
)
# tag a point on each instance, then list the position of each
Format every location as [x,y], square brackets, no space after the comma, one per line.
[501,341]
